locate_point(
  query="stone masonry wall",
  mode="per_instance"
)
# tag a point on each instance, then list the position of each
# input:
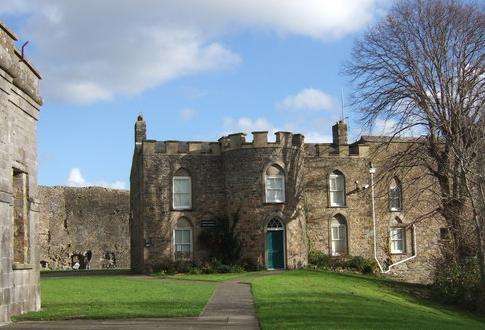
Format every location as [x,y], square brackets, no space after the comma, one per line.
[19,111]
[74,221]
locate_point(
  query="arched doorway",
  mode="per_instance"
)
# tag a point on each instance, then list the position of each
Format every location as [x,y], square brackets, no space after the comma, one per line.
[275,244]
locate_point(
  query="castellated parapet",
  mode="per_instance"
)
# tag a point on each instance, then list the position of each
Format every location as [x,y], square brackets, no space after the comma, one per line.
[238,176]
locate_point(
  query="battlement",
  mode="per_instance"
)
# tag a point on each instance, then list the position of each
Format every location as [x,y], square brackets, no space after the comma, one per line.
[226,143]
[22,74]
[237,141]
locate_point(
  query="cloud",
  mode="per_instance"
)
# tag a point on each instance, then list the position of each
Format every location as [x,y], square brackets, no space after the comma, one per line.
[188,114]
[76,179]
[317,137]
[246,125]
[307,99]
[90,51]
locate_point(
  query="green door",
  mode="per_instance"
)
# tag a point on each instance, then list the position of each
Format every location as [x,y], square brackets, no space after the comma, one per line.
[275,249]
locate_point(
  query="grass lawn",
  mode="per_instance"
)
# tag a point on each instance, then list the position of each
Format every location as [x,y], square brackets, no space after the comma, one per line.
[109,297]
[316,300]
[217,277]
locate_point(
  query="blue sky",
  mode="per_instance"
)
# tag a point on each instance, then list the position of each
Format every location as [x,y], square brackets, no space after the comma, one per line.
[195,71]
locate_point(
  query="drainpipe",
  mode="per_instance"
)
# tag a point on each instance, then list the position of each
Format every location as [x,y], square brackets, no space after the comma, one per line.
[372,171]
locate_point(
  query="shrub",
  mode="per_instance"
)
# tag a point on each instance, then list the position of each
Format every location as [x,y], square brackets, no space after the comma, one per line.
[318,259]
[369,267]
[222,241]
[457,282]
[237,269]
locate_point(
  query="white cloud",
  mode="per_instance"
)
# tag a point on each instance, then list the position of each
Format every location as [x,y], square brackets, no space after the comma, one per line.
[188,114]
[246,125]
[384,127]
[317,137]
[307,99]
[93,50]
[76,179]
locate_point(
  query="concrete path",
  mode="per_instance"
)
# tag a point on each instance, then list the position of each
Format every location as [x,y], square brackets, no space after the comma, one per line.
[231,307]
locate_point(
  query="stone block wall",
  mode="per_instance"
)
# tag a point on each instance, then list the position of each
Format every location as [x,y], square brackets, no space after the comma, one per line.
[88,225]
[228,176]
[19,111]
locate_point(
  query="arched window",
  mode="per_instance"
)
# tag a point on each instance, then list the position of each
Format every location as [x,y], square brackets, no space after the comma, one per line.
[182,190]
[395,195]
[275,224]
[274,184]
[337,188]
[338,229]
[182,238]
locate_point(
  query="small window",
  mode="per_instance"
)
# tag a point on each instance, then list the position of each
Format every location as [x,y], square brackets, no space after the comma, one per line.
[337,189]
[395,195]
[398,241]
[275,185]
[444,233]
[182,190]
[339,235]
[183,239]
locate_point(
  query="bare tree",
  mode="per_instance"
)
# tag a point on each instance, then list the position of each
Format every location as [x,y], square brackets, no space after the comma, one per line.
[422,68]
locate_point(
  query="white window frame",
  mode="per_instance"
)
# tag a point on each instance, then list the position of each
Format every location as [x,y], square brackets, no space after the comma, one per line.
[331,191]
[339,238]
[398,197]
[182,207]
[267,188]
[394,238]
[191,244]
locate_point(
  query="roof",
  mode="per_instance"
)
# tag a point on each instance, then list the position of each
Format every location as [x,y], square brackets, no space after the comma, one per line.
[386,138]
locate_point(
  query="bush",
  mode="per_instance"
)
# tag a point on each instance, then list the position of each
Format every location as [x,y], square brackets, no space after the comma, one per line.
[457,283]
[222,241]
[237,269]
[319,259]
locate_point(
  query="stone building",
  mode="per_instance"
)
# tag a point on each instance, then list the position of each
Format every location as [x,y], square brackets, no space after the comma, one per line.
[291,197]
[84,228]
[19,111]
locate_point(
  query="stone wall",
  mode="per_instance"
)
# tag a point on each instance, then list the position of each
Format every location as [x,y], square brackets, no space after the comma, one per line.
[228,176]
[86,225]
[19,111]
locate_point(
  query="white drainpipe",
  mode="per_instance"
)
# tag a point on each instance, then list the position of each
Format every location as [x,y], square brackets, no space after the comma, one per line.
[372,170]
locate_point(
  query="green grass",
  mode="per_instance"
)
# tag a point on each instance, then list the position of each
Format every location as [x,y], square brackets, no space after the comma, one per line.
[110,297]
[316,300]
[216,277]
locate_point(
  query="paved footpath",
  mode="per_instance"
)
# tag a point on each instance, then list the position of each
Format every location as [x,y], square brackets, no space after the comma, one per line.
[231,307]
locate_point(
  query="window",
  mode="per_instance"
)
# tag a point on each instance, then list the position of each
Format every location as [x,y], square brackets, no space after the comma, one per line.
[444,233]
[397,240]
[338,229]
[337,189]
[395,195]
[183,239]
[275,185]
[21,217]
[182,190]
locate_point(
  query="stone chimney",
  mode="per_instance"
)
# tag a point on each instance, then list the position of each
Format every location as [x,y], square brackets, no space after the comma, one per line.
[339,132]
[140,130]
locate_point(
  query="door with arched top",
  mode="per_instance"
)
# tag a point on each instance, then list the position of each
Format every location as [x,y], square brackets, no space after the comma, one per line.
[275,244]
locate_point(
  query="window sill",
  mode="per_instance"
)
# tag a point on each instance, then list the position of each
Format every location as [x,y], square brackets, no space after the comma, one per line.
[398,253]
[274,203]
[182,209]
[338,206]
[395,210]
[19,266]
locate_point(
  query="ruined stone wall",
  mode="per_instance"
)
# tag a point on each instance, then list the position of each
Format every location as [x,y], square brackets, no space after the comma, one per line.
[77,224]
[19,111]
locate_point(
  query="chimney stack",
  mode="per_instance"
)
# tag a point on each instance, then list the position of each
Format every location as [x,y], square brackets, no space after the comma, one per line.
[339,132]
[140,130]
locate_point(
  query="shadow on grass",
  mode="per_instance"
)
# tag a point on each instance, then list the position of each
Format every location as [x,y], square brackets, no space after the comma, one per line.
[304,299]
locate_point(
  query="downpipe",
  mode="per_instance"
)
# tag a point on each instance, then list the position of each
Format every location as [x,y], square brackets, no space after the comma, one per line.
[372,171]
